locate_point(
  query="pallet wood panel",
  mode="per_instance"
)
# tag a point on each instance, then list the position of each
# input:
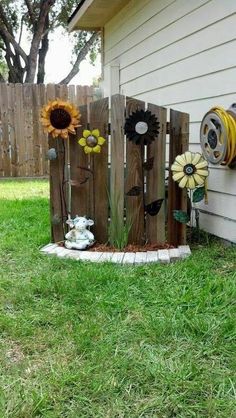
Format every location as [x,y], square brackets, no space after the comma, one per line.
[155,225]
[99,114]
[177,197]
[117,165]
[134,178]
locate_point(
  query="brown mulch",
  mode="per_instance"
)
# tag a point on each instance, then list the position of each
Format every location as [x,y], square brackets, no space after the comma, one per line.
[131,248]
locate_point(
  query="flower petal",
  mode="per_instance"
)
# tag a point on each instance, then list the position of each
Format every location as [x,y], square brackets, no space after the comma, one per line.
[203,173]
[178,176]
[191,182]
[86,133]
[188,157]
[181,160]
[82,142]
[101,140]
[201,164]
[198,179]
[176,167]
[183,182]
[87,149]
[97,149]
[196,158]
[95,132]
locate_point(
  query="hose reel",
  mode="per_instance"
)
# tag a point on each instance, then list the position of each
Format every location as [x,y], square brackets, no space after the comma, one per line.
[218,136]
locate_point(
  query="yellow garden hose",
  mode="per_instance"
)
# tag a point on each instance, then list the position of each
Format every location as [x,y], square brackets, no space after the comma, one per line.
[230,128]
[218,136]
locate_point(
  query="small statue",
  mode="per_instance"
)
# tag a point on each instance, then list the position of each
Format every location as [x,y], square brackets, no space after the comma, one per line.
[79,237]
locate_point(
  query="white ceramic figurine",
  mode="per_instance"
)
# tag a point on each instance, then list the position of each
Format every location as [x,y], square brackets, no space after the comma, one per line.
[79,238]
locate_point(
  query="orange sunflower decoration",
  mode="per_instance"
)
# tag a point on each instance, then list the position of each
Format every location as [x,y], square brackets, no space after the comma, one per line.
[60,118]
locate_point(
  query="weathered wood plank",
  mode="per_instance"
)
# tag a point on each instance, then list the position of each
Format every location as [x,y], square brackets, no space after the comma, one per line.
[155,225]
[99,114]
[19,115]
[134,178]
[177,197]
[80,176]
[116,191]
[44,164]
[28,129]
[37,146]
[12,136]
[6,146]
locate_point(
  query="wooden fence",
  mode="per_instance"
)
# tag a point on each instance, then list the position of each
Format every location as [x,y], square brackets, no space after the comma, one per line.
[23,144]
[120,176]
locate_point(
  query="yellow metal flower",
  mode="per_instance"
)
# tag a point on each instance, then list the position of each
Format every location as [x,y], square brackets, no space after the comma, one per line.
[60,118]
[91,141]
[190,170]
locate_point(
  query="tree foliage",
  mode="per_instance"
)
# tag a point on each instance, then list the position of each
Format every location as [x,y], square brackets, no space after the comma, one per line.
[38,18]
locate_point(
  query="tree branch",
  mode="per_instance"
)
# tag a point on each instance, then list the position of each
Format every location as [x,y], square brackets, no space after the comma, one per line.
[81,56]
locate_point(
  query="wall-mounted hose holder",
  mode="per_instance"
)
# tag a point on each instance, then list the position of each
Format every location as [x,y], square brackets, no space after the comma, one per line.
[218,136]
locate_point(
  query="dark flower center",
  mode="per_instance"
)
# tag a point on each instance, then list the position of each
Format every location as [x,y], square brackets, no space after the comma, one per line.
[60,118]
[91,141]
[189,169]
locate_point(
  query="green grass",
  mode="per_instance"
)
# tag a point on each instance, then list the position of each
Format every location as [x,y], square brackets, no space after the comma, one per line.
[110,342]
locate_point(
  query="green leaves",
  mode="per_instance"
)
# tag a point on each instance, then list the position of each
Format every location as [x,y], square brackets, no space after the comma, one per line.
[198,194]
[181,216]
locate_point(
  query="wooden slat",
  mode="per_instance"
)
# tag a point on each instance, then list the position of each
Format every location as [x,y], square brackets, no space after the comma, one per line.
[37,171]
[155,225]
[19,116]
[6,160]
[79,161]
[43,136]
[134,177]
[99,114]
[57,182]
[177,198]
[28,129]
[117,165]
[12,133]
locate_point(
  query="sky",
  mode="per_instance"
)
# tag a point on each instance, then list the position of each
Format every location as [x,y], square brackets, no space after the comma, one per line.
[58,62]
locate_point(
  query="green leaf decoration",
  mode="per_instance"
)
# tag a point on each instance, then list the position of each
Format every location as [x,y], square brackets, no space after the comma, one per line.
[198,194]
[181,216]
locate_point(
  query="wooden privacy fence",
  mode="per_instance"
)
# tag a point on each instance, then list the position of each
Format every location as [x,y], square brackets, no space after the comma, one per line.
[125,183]
[23,144]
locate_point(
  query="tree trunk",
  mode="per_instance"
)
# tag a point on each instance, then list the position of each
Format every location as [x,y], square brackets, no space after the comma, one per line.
[42,55]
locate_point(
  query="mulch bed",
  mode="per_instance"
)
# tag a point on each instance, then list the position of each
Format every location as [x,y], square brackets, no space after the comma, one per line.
[130,248]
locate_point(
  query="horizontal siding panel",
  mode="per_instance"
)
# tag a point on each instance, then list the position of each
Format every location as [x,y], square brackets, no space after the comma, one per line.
[198,108]
[191,68]
[218,33]
[131,17]
[199,88]
[218,226]
[220,204]
[172,24]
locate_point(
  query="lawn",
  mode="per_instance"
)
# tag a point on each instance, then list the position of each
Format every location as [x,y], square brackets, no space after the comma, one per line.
[115,341]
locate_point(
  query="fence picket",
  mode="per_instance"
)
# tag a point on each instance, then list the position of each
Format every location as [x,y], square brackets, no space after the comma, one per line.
[99,114]
[155,225]
[177,198]
[134,178]
[117,165]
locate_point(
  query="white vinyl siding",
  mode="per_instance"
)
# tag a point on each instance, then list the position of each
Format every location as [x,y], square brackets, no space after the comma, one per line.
[181,54]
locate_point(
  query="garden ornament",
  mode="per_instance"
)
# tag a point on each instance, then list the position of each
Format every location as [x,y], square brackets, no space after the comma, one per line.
[142,127]
[79,238]
[60,118]
[91,141]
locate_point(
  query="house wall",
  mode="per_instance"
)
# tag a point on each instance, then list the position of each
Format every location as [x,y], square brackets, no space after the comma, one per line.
[180,54]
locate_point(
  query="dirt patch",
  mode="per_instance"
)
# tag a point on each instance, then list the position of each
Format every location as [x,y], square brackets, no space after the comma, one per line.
[131,248]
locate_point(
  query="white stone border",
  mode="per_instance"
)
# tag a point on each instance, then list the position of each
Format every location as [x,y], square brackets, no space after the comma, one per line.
[159,256]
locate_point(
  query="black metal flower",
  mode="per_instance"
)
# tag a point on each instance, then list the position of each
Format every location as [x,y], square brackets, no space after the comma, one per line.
[142,127]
